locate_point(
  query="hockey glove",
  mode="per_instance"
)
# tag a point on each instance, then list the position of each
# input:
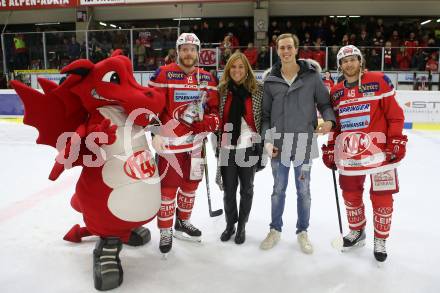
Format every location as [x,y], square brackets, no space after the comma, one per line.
[210,123]
[396,148]
[328,156]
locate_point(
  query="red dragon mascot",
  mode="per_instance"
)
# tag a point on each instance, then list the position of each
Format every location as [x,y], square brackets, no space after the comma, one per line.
[96,118]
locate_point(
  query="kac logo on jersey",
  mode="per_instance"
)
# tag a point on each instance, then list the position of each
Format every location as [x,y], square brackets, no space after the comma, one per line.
[186,96]
[355,123]
[362,108]
[355,143]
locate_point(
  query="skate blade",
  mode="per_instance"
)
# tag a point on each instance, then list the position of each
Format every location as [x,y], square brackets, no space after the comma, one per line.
[186,237]
[380,264]
[165,256]
[357,245]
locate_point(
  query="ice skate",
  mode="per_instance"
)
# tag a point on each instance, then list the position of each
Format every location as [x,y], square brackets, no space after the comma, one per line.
[354,239]
[380,253]
[166,242]
[184,230]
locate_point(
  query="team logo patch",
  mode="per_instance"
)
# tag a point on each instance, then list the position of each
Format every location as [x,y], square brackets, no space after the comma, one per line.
[205,77]
[138,166]
[362,108]
[175,75]
[186,96]
[370,87]
[355,123]
[338,94]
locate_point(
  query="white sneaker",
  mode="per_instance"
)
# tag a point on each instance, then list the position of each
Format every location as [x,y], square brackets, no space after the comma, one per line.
[304,242]
[271,239]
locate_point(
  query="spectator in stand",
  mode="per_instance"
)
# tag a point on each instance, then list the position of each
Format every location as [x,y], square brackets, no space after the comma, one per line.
[307,41]
[205,33]
[396,42]
[245,32]
[274,29]
[263,62]
[432,64]
[272,43]
[388,56]
[139,52]
[150,64]
[378,40]
[328,80]
[195,30]
[379,25]
[304,27]
[431,47]
[374,62]
[289,27]
[226,43]
[418,60]
[225,56]
[353,39]
[345,40]
[120,40]
[251,55]
[403,59]
[333,52]
[319,53]
[234,40]
[171,57]
[363,40]
[220,31]
[74,49]
[411,44]
[333,38]
[305,53]
[20,51]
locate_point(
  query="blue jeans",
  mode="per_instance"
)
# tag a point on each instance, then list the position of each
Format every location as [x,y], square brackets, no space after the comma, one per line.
[302,181]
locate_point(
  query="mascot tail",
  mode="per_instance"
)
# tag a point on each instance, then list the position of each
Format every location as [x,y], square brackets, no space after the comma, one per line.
[76,233]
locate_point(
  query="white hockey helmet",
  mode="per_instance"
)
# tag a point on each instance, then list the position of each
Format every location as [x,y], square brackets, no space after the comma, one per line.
[349,50]
[188,38]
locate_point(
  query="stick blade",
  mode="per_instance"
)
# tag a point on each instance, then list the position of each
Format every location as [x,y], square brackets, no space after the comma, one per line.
[338,243]
[216,213]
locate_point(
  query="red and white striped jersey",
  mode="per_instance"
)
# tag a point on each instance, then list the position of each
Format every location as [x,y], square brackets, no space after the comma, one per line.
[366,117]
[180,90]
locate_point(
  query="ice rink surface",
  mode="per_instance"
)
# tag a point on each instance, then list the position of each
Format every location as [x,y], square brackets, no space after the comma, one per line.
[35,214]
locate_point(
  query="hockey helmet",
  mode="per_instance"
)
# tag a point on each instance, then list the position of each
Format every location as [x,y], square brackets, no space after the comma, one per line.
[188,38]
[349,50]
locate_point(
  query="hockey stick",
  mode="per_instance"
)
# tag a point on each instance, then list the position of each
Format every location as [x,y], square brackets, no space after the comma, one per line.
[337,243]
[208,190]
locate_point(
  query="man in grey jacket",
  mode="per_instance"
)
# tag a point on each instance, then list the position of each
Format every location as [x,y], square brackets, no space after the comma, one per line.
[292,92]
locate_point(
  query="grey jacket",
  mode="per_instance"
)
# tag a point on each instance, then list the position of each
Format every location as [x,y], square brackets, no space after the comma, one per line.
[291,111]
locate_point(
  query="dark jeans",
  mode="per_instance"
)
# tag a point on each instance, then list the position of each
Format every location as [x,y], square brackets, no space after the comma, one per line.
[231,175]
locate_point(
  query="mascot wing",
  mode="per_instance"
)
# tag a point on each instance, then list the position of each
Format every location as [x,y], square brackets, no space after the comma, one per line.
[49,112]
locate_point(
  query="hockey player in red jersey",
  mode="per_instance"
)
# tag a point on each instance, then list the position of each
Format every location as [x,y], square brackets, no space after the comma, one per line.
[368,141]
[191,112]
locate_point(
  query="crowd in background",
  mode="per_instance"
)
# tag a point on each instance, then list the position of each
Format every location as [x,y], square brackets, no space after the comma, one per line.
[404,45]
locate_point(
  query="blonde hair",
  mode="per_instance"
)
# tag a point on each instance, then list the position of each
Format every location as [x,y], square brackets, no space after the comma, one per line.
[249,81]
